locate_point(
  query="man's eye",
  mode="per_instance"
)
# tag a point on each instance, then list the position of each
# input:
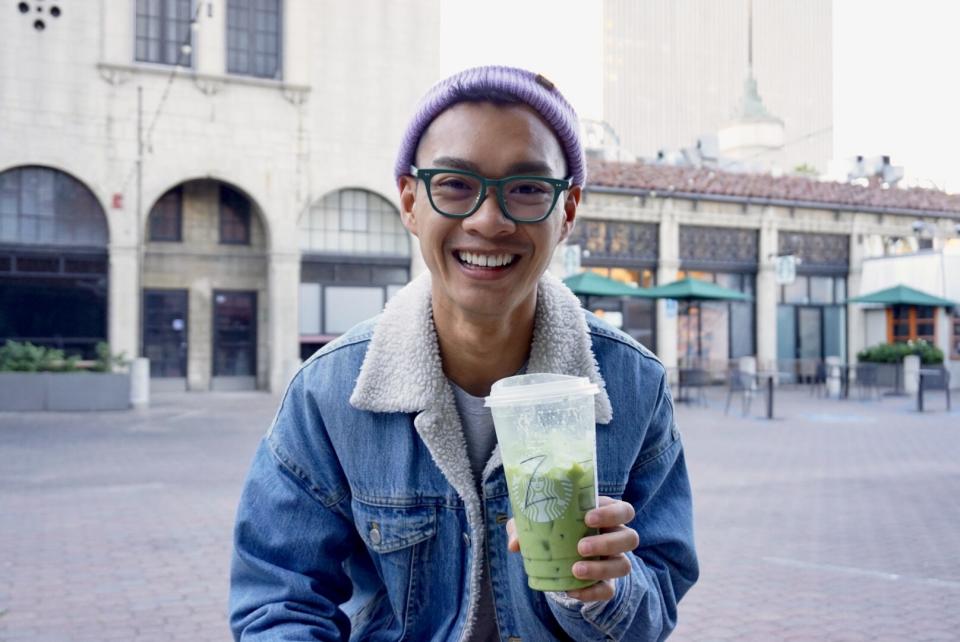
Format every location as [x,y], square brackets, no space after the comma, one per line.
[528,188]
[452,184]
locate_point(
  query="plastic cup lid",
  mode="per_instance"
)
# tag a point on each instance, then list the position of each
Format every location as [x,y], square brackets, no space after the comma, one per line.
[537,387]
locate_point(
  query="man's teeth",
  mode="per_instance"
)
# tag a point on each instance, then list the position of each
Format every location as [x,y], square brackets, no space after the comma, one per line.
[486,260]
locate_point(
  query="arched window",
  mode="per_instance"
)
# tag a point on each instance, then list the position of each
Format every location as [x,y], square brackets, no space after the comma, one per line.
[43,206]
[354,221]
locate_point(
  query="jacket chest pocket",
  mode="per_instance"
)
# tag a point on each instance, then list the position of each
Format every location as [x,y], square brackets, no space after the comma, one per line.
[399,540]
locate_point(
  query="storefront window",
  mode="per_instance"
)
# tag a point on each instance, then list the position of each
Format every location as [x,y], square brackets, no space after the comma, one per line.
[821,289]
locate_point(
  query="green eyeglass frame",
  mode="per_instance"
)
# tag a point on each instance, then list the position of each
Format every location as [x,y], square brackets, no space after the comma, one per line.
[426,175]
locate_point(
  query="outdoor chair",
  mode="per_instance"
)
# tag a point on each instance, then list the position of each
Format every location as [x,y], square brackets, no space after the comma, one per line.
[818,383]
[935,379]
[743,384]
[866,380]
[693,383]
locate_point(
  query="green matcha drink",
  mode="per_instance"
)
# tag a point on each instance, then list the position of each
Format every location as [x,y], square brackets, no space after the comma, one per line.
[548,511]
[546,430]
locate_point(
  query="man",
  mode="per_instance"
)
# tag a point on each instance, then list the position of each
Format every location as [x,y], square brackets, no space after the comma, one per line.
[376,507]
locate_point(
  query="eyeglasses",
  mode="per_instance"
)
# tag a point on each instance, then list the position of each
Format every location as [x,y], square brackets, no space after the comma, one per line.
[457,193]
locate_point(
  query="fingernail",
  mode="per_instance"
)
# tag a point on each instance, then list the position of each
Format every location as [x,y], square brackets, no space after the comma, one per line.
[585,548]
[579,569]
[592,519]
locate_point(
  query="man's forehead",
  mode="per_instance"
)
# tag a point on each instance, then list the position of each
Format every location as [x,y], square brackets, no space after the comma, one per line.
[513,129]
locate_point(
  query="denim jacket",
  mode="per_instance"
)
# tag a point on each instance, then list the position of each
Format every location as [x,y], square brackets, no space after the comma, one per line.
[360,518]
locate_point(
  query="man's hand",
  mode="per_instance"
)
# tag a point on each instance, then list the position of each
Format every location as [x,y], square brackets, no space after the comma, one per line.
[609,548]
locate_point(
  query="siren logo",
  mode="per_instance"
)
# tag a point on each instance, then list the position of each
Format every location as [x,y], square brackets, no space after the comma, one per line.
[544,498]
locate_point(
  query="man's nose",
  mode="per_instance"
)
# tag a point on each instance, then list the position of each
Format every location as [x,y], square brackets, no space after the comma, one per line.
[489,220]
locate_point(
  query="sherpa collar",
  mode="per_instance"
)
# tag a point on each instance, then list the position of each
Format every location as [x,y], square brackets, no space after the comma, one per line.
[402,370]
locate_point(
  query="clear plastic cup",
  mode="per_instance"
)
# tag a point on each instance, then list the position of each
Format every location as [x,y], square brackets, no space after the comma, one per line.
[547,433]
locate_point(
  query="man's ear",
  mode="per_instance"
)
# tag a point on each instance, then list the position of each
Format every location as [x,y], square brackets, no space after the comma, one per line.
[571,201]
[408,201]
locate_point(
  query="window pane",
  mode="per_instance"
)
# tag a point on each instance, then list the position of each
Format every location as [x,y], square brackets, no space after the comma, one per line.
[796,292]
[840,289]
[309,308]
[344,307]
[821,289]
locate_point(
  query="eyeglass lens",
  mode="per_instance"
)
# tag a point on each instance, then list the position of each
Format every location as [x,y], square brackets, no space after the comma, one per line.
[525,198]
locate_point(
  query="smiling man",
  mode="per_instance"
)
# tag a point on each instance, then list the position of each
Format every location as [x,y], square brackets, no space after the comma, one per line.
[376,506]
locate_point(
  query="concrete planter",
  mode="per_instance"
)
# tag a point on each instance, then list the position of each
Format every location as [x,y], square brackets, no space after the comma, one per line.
[64,391]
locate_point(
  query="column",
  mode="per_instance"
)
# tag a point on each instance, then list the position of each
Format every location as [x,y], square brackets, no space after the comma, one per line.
[856,318]
[766,292]
[283,345]
[123,325]
[669,262]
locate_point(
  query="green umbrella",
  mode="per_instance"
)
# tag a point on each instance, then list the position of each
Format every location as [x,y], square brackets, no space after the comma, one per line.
[592,284]
[902,295]
[690,289]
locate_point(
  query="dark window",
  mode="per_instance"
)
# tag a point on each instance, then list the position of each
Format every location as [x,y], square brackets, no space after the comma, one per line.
[165,332]
[166,217]
[234,217]
[955,342]
[911,322]
[254,37]
[235,334]
[42,206]
[38,264]
[163,31]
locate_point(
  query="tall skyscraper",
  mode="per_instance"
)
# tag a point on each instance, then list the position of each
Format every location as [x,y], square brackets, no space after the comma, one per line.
[675,70]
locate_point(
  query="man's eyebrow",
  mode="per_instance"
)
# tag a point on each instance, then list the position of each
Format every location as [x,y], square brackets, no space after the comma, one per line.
[536,168]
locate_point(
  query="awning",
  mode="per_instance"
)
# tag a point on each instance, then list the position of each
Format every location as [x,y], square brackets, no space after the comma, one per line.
[903,295]
[592,284]
[690,289]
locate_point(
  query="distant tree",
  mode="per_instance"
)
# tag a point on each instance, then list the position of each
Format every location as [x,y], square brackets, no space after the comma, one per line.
[805,169]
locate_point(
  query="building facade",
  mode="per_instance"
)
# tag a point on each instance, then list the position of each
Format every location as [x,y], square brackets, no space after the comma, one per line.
[662,223]
[674,70]
[181,178]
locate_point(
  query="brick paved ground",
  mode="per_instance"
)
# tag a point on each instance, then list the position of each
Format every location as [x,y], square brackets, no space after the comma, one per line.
[836,522]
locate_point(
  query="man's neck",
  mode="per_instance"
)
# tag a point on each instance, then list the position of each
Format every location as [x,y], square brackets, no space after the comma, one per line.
[478,352]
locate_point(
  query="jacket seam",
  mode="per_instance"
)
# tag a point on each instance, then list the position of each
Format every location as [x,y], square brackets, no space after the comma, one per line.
[307,484]
[673,443]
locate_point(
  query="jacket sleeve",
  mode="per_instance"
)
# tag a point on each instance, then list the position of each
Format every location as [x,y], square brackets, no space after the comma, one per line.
[644,606]
[290,539]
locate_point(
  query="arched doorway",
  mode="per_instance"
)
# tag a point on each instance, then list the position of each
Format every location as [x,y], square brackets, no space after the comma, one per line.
[53,261]
[205,289]
[355,255]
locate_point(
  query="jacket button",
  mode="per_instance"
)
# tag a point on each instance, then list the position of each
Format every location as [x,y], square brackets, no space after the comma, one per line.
[466,539]
[375,535]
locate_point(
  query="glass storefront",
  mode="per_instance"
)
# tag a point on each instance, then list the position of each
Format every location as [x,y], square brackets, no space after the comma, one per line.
[811,323]
[636,317]
[714,332]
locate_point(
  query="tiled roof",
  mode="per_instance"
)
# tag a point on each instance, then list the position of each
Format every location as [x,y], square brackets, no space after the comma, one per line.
[707,182]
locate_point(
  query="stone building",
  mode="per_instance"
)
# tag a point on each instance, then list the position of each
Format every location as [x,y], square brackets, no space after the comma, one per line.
[186,179]
[651,224]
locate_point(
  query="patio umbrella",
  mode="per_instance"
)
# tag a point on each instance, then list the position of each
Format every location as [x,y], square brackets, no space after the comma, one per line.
[592,284]
[690,289]
[903,295]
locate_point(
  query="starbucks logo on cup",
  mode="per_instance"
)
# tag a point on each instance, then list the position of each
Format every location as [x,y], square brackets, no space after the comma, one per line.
[541,498]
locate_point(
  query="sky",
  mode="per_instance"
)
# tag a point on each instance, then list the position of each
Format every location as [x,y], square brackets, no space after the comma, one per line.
[894,92]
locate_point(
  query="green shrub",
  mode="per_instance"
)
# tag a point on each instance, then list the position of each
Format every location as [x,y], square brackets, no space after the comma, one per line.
[105,360]
[26,357]
[895,352]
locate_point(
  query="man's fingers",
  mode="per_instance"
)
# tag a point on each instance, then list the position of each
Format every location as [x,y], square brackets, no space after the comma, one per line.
[513,544]
[605,569]
[610,513]
[618,540]
[601,591]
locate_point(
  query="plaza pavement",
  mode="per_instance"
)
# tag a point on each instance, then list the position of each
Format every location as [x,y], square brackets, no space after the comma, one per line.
[835,521]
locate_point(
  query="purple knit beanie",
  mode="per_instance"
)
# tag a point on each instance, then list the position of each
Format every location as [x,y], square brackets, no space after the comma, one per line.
[529,88]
